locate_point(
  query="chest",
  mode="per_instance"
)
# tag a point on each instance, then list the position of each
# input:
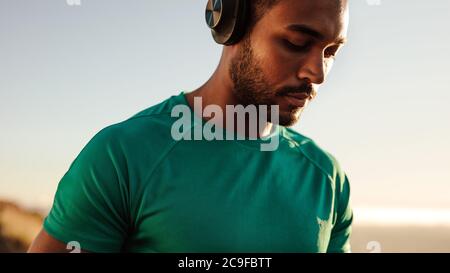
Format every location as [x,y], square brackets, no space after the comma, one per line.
[256,205]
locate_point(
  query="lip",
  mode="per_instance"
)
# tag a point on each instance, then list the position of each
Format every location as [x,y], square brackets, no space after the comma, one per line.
[300,96]
[298,100]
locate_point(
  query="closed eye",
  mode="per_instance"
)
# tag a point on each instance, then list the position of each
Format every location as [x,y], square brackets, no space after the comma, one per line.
[295,48]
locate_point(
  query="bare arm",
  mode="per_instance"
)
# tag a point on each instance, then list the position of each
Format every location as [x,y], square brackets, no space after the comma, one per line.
[44,243]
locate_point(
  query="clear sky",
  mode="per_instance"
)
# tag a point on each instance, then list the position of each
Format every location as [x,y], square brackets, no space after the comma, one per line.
[68,71]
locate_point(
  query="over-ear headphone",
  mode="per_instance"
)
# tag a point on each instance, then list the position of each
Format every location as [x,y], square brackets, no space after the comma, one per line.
[227,20]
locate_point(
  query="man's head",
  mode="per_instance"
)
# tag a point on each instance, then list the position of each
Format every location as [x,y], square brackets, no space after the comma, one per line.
[287,52]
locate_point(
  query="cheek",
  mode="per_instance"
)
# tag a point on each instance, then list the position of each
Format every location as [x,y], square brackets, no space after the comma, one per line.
[278,66]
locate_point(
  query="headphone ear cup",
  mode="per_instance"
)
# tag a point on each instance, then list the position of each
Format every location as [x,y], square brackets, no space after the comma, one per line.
[227,20]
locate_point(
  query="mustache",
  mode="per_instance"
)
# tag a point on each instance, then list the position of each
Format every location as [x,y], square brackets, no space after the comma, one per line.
[304,88]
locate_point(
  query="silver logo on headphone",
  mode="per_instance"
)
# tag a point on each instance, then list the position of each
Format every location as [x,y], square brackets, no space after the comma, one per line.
[213,12]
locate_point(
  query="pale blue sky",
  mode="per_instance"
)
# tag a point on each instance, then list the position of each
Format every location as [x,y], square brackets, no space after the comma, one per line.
[68,71]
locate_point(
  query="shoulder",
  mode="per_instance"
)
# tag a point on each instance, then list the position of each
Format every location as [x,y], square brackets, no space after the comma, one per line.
[317,156]
[149,125]
[142,137]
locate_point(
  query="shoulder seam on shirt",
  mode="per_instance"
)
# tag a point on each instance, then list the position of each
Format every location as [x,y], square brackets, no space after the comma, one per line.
[299,147]
[152,171]
[161,159]
[314,162]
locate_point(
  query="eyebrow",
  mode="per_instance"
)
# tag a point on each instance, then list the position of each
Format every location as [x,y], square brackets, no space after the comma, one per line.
[303,29]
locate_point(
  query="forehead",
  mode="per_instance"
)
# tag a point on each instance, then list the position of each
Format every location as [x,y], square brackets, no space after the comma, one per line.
[327,17]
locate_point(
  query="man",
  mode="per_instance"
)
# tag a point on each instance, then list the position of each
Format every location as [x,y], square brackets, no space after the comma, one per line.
[135,188]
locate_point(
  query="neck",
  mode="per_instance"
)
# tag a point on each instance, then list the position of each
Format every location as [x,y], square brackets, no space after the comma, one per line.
[218,90]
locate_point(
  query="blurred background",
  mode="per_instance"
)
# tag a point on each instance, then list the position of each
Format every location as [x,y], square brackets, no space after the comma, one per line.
[69,68]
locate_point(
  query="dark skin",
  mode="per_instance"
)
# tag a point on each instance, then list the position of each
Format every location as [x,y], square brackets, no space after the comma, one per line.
[44,243]
[290,50]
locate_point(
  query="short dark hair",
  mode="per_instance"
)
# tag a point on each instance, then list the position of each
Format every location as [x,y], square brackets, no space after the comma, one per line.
[257,9]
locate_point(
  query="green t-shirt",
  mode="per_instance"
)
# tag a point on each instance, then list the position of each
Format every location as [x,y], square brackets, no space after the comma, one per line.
[134,188]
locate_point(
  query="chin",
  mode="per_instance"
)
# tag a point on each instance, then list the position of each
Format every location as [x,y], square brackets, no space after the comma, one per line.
[288,122]
[290,118]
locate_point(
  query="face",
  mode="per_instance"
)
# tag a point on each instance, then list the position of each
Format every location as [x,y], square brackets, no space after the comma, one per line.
[288,55]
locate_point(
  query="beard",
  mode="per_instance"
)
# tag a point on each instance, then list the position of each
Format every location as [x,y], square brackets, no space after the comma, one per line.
[252,88]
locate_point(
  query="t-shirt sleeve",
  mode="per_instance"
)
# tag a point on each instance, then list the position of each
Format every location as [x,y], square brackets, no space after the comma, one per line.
[91,205]
[342,229]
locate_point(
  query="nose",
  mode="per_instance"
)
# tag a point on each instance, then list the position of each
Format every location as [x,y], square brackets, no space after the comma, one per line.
[313,68]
